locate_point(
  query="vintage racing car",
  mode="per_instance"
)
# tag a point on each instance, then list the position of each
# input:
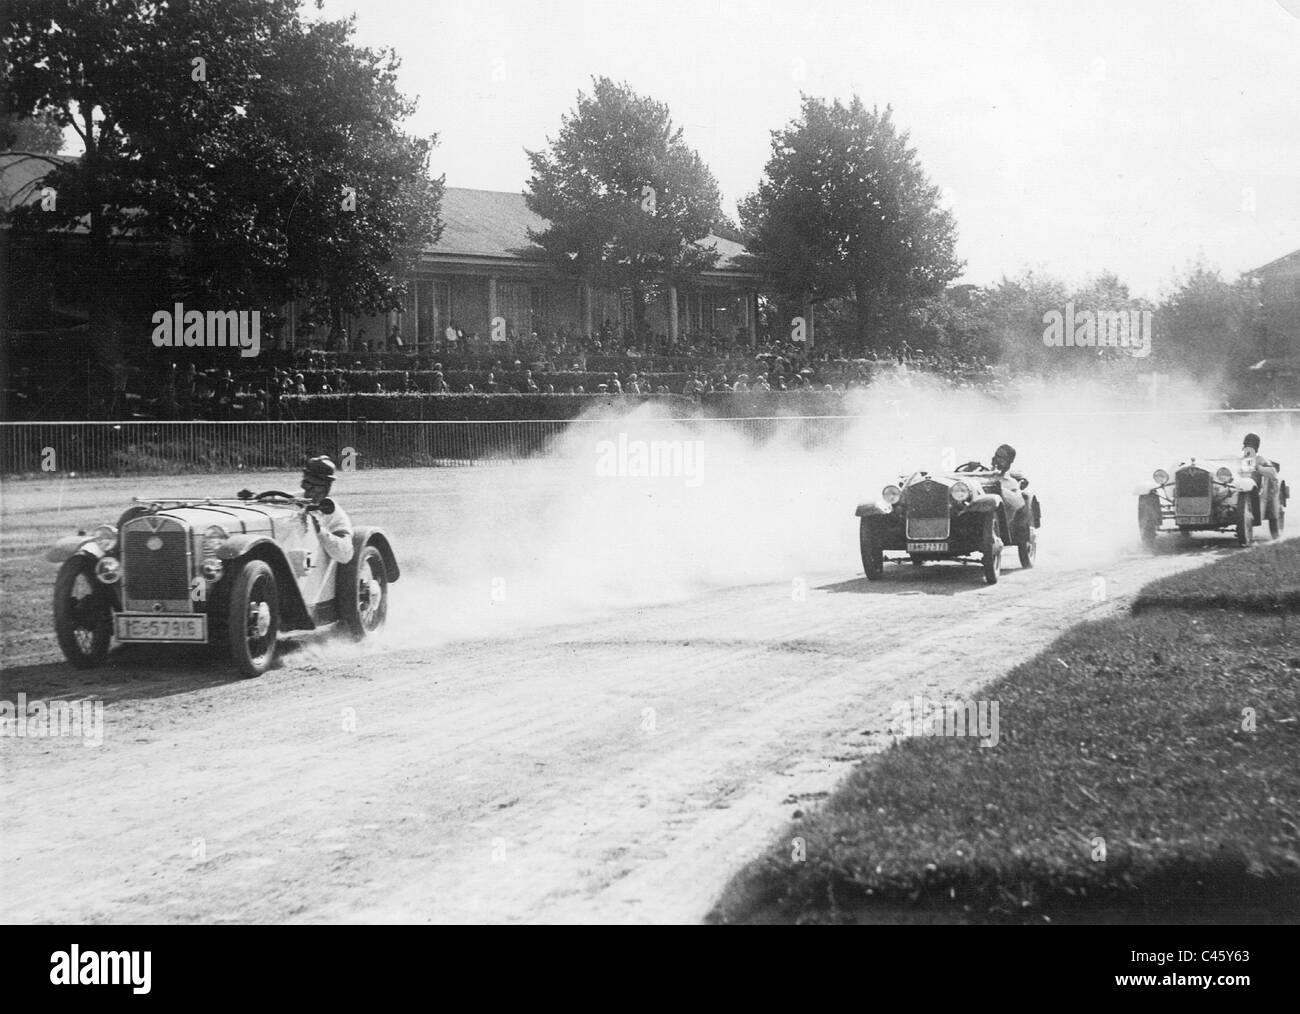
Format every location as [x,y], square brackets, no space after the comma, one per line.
[233,573]
[972,511]
[1212,494]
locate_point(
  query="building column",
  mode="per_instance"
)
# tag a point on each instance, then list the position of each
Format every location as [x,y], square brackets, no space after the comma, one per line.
[492,304]
[672,315]
[753,319]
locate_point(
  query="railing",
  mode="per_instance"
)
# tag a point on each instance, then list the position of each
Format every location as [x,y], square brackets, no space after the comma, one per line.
[168,448]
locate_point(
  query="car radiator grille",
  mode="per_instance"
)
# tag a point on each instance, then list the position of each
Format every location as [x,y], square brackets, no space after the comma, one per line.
[927,510]
[158,574]
[1192,493]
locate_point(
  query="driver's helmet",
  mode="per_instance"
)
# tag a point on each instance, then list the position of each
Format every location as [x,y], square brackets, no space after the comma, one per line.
[319,470]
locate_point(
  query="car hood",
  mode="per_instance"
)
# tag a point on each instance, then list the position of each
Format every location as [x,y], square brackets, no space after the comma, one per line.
[235,516]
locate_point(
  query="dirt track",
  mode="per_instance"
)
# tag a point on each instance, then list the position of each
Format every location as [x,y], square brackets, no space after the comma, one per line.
[617,767]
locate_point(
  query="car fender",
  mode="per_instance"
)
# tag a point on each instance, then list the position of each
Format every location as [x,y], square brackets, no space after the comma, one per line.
[368,536]
[866,510]
[263,547]
[983,502]
[71,545]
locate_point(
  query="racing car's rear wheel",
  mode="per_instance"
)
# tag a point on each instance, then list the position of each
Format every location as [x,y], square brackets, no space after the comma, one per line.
[1277,523]
[83,613]
[254,618]
[1245,522]
[873,557]
[992,549]
[1148,520]
[1027,547]
[363,593]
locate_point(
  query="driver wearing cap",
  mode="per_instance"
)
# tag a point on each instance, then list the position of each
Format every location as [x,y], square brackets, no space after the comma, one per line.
[333,527]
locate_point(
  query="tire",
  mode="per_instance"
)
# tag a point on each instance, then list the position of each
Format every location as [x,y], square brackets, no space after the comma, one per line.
[83,613]
[992,550]
[363,593]
[873,557]
[253,620]
[1148,520]
[1245,522]
[1027,544]
[1278,523]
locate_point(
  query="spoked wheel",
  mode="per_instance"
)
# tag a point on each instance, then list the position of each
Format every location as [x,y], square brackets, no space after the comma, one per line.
[873,557]
[83,613]
[1245,522]
[253,621]
[364,580]
[992,550]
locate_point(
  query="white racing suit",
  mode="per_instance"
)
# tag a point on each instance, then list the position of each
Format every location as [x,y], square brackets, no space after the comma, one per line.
[334,533]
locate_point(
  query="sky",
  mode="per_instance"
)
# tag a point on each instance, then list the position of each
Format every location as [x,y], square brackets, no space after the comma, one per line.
[1135,136]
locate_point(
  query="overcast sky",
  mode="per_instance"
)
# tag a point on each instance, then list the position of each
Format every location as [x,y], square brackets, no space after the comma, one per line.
[1130,135]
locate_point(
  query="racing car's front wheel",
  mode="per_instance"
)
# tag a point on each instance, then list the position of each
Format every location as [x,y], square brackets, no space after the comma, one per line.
[1245,521]
[253,621]
[991,550]
[363,593]
[873,557]
[1277,523]
[83,613]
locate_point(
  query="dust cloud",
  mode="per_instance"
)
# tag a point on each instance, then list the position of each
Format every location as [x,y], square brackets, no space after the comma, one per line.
[582,532]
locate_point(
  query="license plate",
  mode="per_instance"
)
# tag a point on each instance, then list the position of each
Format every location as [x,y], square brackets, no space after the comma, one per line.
[162,628]
[927,547]
[1193,521]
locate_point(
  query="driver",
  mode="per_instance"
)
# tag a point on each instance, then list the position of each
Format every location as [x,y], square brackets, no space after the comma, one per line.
[333,527]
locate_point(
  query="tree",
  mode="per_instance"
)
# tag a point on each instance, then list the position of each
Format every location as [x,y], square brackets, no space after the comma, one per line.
[39,134]
[845,210]
[234,125]
[1207,328]
[626,200]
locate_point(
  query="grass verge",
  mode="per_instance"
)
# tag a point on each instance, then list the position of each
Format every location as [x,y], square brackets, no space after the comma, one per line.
[1145,770]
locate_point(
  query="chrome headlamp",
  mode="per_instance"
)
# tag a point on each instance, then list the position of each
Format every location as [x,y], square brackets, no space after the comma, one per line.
[108,569]
[891,494]
[960,492]
[213,539]
[1223,475]
[1160,477]
[105,537]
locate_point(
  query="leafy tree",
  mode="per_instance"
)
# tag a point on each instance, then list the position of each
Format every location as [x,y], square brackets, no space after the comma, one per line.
[626,200]
[236,126]
[39,134]
[846,211]
[1206,327]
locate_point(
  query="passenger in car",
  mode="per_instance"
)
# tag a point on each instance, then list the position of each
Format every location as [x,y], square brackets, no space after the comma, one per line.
[332,525]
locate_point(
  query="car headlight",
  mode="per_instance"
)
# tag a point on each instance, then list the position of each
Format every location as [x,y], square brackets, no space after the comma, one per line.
[891,494]
[1223,475]
[960,492]
[108,569]
[1160,477]
[211,569]
[105,537]
[213,539]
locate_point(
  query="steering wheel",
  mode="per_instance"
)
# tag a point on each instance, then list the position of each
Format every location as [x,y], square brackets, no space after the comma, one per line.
[274,492]
[971,466]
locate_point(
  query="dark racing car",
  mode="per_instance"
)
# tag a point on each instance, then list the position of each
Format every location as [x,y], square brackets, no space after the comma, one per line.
[232,573]
[1212,495]
[968,514]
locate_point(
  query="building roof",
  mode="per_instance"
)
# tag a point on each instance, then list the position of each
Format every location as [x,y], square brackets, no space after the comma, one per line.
[495,224]
[1290,259]
[20,176]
